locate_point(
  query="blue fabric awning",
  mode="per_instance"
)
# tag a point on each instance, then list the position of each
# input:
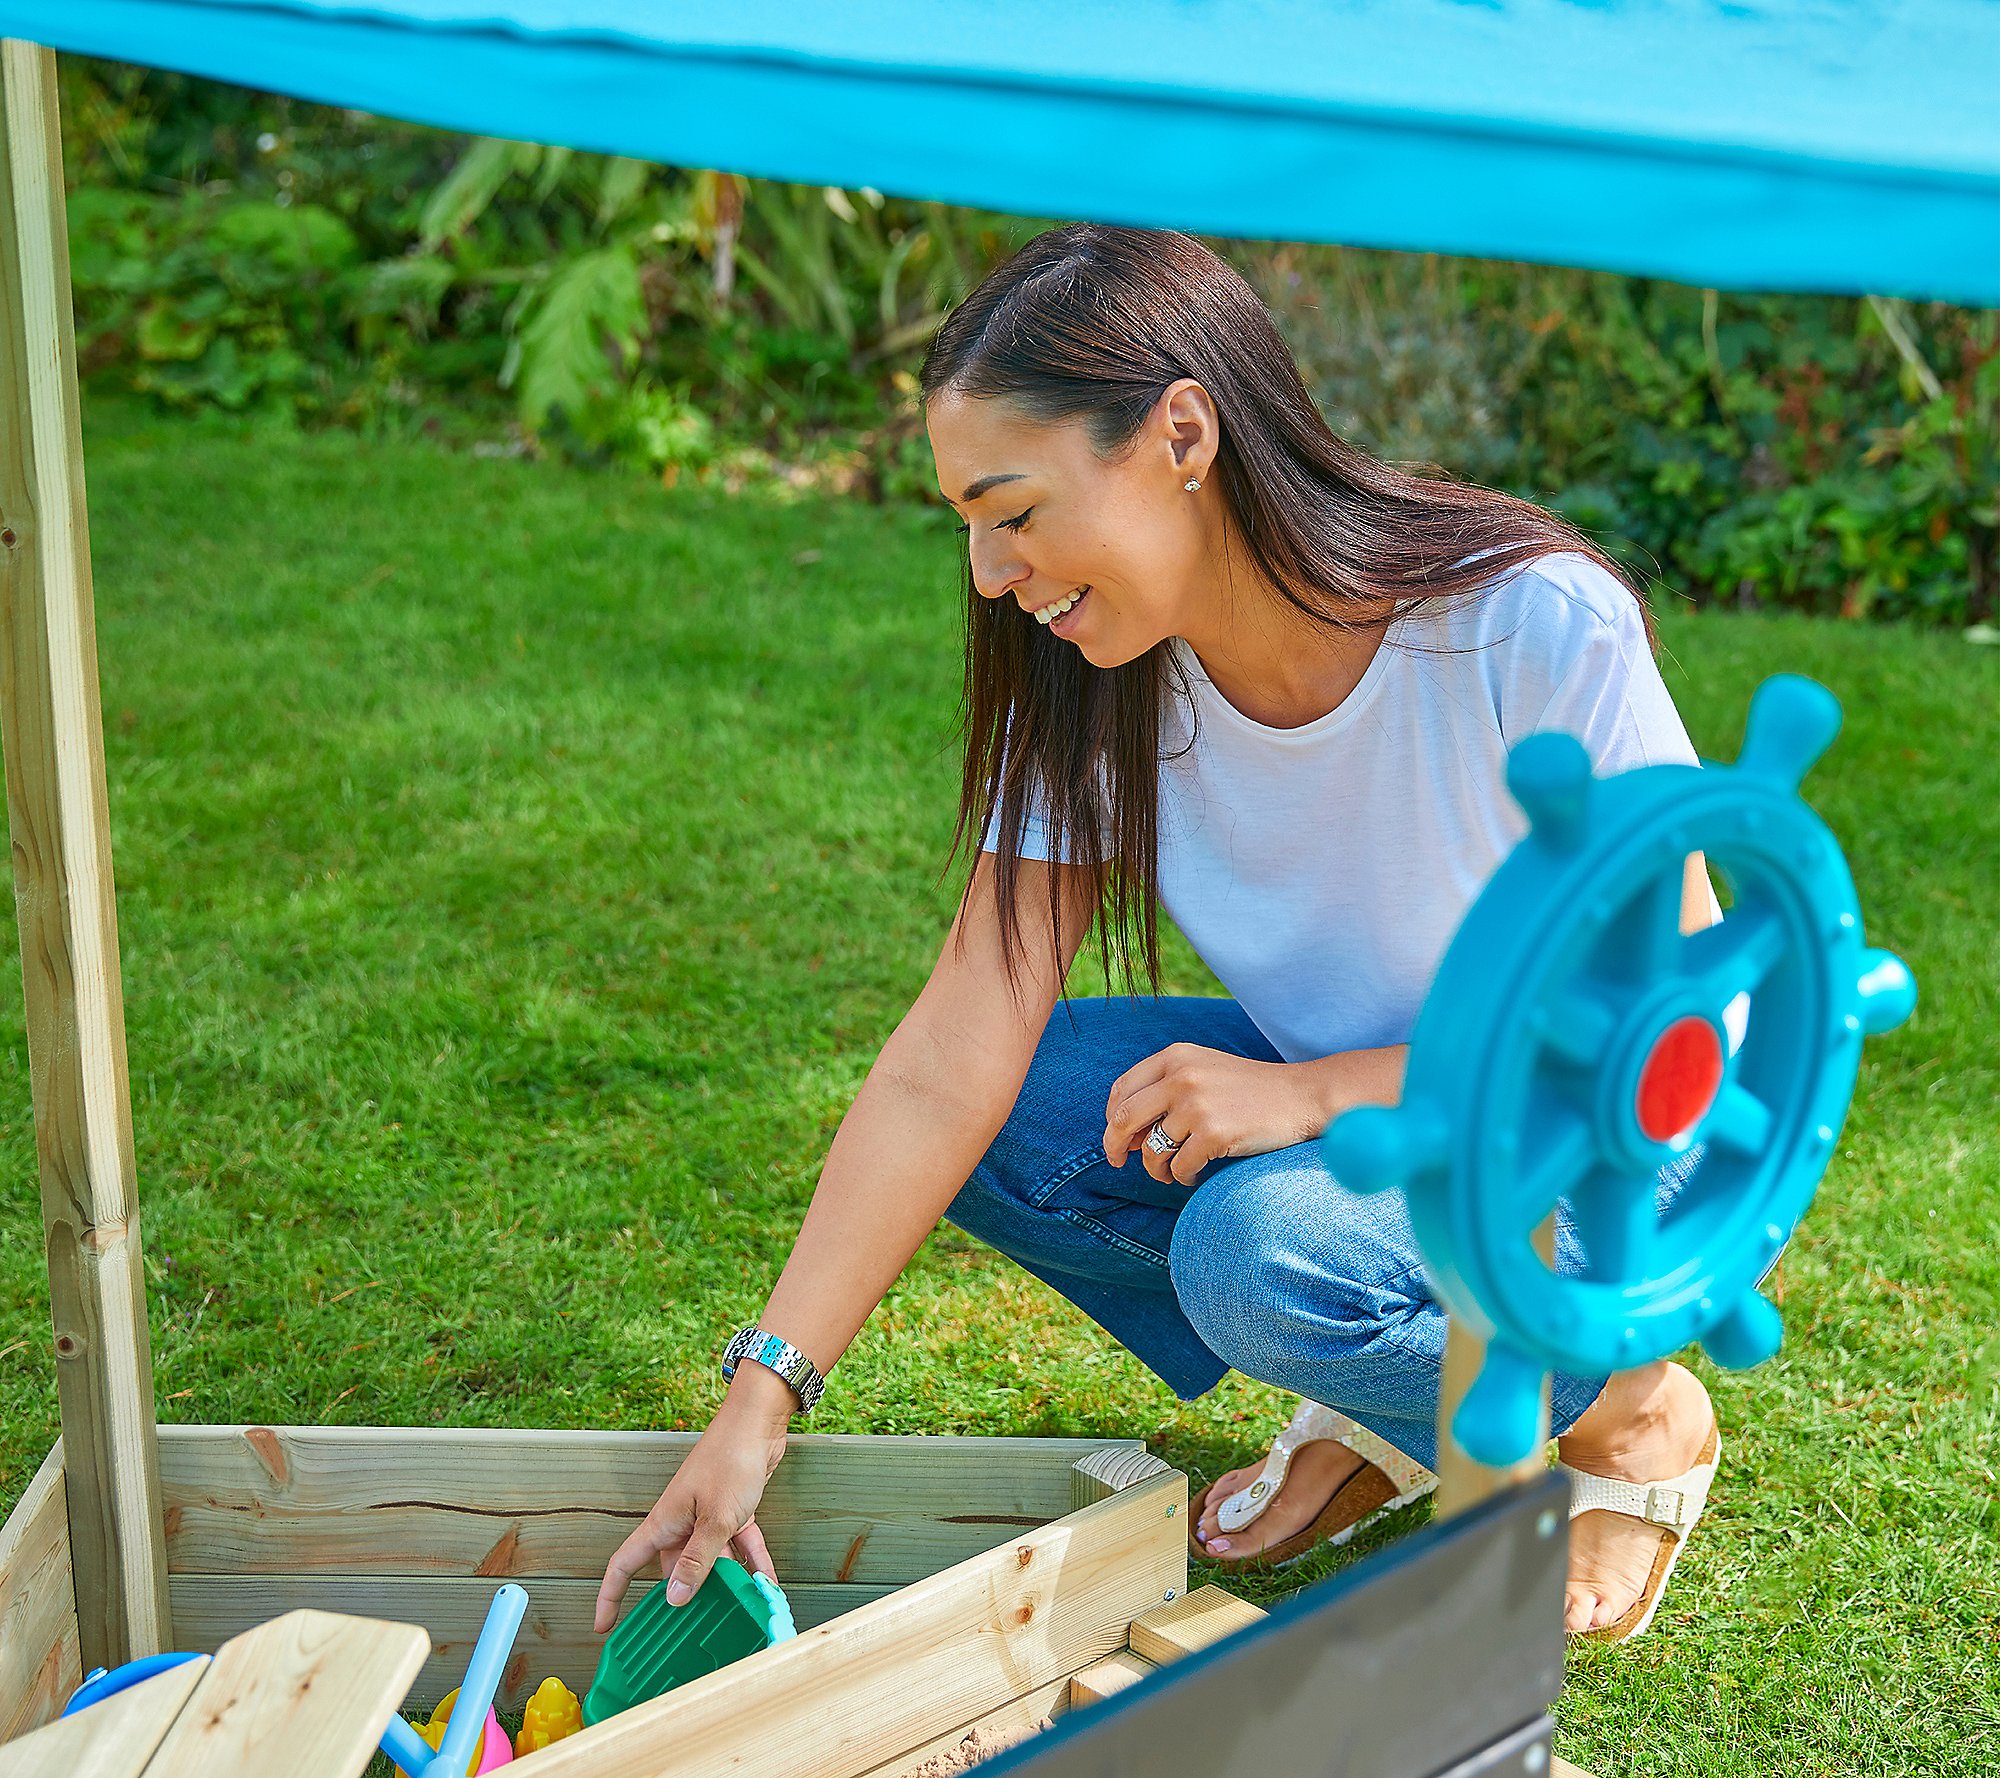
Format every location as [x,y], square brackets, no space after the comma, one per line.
[1841,145]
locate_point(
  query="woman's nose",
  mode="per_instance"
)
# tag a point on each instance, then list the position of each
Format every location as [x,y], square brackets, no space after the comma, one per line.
[995,573]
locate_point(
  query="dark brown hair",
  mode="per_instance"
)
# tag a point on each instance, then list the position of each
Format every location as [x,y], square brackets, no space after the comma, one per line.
[1091,323]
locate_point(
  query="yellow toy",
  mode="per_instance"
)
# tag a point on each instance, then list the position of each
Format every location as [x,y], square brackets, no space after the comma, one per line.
[490,1750]
[552,1713]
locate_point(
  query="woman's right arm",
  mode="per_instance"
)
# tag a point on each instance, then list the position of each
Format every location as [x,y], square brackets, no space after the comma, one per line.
[939,1092]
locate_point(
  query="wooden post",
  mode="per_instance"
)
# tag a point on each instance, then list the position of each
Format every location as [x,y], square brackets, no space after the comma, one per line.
[1462,1482]
[51,729]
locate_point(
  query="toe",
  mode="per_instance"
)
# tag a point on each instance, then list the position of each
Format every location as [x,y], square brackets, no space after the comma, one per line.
[1583,1607]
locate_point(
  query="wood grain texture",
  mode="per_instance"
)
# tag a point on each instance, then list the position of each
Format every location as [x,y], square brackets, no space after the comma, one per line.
[1192,1621]
[51,731]
[1462,1482]
[40,1664]
[878,1683]
[114,1738]
[1018,1714]
[556,1636]
[1097,1475]
[308,1692]
[1107,1678]
[527,1505]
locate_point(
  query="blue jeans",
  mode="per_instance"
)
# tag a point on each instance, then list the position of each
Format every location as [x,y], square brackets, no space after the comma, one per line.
[1266,1264]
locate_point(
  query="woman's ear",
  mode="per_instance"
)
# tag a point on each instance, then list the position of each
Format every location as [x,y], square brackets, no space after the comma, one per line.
[1190,428]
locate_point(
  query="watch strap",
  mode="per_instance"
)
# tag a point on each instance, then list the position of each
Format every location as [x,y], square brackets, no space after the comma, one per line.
[778,1354]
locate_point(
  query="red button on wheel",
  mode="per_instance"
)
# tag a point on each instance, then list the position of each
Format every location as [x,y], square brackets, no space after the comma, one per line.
[1680,1078]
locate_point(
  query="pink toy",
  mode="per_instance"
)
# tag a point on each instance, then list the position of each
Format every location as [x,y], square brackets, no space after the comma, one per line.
[495,1750]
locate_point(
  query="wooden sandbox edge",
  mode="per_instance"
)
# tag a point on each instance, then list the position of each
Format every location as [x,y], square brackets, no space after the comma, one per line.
[41,1662]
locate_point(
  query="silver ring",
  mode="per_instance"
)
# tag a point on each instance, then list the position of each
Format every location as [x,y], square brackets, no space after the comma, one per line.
[1159,1141]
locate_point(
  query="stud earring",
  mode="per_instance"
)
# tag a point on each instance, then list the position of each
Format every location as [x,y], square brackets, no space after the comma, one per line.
[1190,484]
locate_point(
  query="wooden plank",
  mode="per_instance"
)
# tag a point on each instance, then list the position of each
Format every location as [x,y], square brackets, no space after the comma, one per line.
[556,1636]
[307,1684]
[1008,1722]
[40,1664]
[880,1682]
[1561,1768]
[1107,1678]
[521,1505]
[1097,1475]
[1463,1483]
[114,1738]
[51,730]
[1190,1622]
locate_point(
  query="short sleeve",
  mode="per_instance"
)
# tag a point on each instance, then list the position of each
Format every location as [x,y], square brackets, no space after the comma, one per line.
[1603,685]
[1036,839]
[1035,836]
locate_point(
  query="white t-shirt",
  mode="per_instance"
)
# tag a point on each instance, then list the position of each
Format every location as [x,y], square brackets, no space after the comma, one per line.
[1321,871]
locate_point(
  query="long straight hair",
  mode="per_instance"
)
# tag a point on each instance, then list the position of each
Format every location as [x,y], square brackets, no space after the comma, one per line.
[1091,323]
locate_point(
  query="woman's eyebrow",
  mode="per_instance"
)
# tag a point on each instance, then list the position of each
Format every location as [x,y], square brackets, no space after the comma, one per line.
[987,483]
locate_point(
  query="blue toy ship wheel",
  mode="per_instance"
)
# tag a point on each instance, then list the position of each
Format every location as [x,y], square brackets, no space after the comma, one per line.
[1574,1042]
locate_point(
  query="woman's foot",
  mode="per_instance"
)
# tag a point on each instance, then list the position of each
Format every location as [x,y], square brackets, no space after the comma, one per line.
[1648,1425]
[1318,1468]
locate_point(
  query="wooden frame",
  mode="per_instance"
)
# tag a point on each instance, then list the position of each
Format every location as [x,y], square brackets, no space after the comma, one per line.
[939,1583]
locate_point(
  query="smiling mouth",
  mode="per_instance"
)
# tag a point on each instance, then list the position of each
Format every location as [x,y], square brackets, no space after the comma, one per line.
[1047,614]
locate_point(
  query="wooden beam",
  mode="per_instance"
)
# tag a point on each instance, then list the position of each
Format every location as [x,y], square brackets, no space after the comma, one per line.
[40,1664]
[1106,1678]
[1193,1621]
[112,1739]
[509,1505]
[556,1637]
[869,1687]
[1463,1483]
[308,1692]
[52,731]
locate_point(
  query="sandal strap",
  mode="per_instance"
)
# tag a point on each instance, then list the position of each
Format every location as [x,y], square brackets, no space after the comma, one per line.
[1312,1421]
[1674,1504]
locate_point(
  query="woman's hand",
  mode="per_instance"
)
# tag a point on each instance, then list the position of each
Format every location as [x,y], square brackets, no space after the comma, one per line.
[709,1508]
[1216,1104]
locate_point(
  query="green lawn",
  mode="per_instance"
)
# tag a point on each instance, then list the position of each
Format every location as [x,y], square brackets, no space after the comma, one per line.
[519,870]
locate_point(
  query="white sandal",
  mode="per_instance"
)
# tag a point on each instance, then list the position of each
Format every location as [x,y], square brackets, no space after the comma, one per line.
[1674,1505]
[1386,1480]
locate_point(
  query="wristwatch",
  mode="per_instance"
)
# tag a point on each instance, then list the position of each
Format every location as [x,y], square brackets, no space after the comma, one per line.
[782,1356]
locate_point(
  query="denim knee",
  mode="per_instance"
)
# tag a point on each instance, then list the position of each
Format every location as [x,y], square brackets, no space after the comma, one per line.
[1278,1280]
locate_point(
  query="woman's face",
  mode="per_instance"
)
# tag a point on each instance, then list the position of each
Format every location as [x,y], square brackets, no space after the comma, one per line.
[1047,517]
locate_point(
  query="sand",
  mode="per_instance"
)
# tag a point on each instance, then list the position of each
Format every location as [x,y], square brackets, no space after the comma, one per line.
[977,1745]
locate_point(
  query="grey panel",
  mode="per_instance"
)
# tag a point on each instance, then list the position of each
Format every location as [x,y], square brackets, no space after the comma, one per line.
[1406,1665]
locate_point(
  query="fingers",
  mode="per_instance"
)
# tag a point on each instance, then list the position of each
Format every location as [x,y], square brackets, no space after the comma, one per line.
[705,1542]
[751,1551]
[631,1556]
[1129,1120]
[1118,1111]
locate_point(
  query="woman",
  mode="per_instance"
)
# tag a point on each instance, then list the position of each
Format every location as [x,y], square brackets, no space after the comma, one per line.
[1217,660]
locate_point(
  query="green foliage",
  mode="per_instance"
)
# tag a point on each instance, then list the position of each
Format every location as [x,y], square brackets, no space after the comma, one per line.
[239,251]
[1820,453]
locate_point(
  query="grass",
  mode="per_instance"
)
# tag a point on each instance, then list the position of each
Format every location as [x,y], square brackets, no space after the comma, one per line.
[519,870]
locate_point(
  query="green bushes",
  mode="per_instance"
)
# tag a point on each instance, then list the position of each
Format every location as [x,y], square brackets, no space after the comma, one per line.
[238,251]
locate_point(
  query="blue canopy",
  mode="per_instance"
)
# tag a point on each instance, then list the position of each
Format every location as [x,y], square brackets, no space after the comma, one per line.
[1842,145]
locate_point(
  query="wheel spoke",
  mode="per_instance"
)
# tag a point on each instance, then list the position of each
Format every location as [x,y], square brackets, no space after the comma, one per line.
[1562,1160]
[1615,1221]
[1734,957]
[1647,936]
[1738,1121]
[1577,1026]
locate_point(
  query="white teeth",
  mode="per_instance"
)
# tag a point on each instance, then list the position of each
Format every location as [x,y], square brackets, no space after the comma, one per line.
[1049,613]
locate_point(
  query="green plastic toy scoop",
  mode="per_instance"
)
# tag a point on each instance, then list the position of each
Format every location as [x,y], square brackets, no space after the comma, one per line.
[660,1646]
